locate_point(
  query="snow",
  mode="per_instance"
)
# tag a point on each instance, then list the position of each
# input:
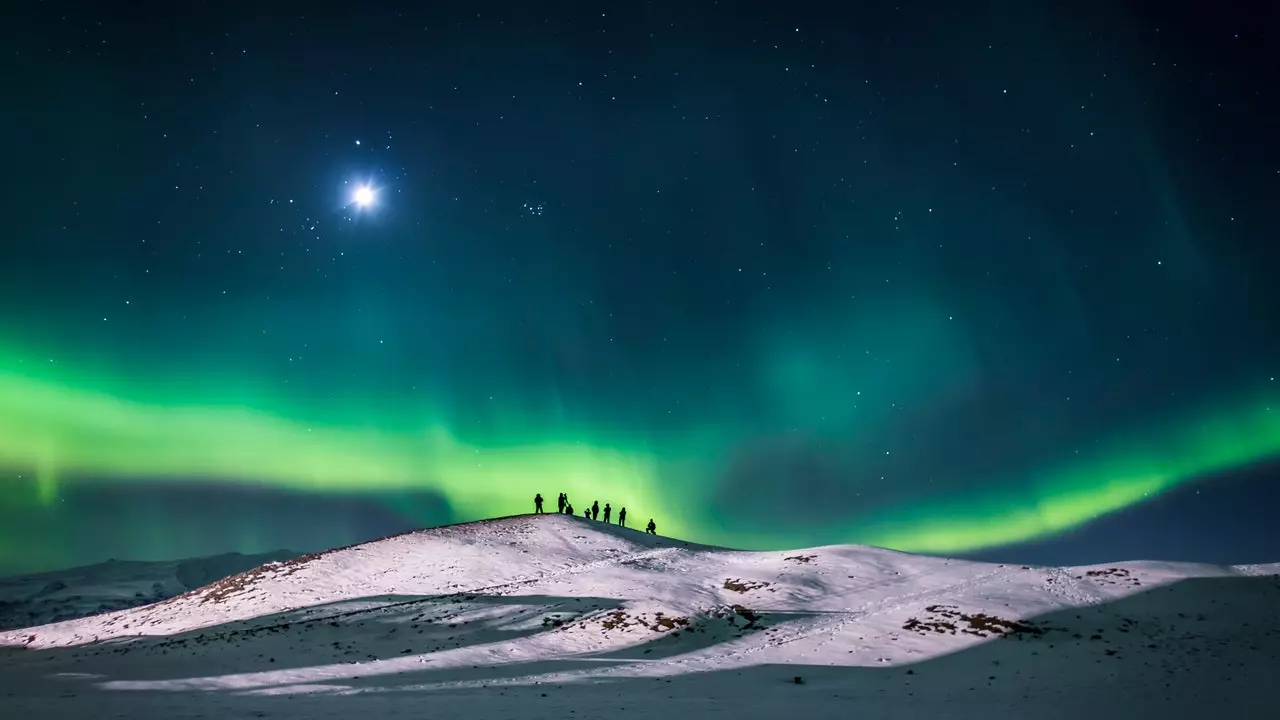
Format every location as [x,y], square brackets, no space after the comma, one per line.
[113,585]
[559,617]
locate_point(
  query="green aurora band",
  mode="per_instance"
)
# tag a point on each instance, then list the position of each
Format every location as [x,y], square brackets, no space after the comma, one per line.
[64,433]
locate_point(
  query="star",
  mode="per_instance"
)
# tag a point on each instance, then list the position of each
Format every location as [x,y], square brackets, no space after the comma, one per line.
[364,196]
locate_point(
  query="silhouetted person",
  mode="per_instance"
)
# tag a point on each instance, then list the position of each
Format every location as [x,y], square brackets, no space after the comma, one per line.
[568,509]
[622,517]
[595,510]
[586,513]
[561,502]
[607,510]
[652,529]
[537,504]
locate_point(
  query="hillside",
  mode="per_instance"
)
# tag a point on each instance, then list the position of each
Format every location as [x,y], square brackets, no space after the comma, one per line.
[41,598]
[562,617]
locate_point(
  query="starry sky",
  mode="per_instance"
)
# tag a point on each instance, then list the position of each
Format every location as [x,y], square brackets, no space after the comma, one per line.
[991,279]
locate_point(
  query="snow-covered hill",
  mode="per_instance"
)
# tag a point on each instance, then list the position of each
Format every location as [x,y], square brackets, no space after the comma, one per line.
[558,617]
[41,598]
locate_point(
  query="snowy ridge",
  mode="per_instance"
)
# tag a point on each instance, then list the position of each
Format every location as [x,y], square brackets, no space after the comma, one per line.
[530,605]
[41,598]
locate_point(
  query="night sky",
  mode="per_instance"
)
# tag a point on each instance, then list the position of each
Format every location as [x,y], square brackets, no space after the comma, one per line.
[989,278]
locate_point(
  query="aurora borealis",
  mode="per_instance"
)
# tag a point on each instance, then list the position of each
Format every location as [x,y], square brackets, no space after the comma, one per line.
[932,278]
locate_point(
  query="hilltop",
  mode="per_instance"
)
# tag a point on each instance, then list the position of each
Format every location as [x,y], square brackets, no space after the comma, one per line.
[555,616]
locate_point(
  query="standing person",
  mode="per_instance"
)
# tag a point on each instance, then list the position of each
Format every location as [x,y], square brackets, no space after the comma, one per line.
[607,510]
[652,529]
[537,504]
[622,517]
[561,502]
[595,510]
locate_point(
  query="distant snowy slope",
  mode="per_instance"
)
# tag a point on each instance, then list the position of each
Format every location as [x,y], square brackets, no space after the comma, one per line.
[467,557]
[41,598]
[553,617]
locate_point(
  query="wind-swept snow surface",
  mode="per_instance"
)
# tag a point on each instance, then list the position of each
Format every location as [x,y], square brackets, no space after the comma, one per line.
[558,617]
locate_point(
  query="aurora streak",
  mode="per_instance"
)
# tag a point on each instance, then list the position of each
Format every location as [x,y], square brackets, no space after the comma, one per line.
[64,433]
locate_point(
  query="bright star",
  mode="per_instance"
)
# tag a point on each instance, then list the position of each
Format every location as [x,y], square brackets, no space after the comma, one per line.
[363,196]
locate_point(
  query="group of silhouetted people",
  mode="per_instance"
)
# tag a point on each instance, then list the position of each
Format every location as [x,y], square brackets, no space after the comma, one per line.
[564,507]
